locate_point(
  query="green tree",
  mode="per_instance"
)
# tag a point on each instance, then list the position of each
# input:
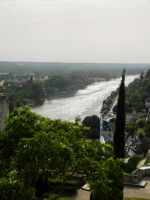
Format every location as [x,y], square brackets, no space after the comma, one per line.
[147,74]
[145,144]
[115,108]
[132,163]
[142,75]
[138,106]
[119,140]
[141,122]
[93,122]
[37,91]
[119,137]
[32,146]
[31,79]
[147,128]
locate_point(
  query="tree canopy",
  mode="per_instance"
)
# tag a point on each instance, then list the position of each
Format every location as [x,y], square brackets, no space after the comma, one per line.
[32,146]
[93,122]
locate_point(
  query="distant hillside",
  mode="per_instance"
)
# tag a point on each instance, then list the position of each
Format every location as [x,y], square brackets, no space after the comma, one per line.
[53,67]
[137,92]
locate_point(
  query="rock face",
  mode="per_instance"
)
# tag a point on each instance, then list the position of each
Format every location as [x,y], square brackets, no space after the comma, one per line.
[4,109]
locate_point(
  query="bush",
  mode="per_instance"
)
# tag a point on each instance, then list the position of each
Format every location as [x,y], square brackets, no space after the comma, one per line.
[147,128]
[144,146]
[94,134]
[15,190]
[141,133]
[141,123]
[132,163]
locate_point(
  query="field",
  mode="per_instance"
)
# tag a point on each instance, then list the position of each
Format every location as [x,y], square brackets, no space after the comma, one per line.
[1,83]
[97,79]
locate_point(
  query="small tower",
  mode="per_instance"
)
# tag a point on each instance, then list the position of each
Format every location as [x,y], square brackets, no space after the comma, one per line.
[4,109]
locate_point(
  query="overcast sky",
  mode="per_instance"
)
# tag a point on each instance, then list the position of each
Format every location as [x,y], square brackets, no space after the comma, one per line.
[104,31]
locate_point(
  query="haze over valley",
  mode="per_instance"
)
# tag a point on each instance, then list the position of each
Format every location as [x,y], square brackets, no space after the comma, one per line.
[95,31]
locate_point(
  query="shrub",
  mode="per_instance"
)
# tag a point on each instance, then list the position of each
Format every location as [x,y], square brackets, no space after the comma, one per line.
[141,123]
[132,163]
[145,143]
[94,134]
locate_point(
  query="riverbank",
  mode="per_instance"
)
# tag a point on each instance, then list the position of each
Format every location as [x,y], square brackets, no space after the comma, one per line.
[85,102]
[109,103]
[63,94]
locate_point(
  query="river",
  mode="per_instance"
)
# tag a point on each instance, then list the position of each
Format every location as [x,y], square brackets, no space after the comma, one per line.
[85,102]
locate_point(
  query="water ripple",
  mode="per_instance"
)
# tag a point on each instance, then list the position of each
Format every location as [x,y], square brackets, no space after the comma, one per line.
[85,102]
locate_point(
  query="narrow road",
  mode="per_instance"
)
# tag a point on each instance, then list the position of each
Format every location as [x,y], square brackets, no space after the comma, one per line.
[81,195]
[115,102]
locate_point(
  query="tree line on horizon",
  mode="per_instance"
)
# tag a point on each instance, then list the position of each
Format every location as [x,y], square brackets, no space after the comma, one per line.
[54,68]
[27,89]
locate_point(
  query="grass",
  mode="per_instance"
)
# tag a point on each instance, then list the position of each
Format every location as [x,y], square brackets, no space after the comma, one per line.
[41,79]
[1,83]
[98,79]
[127,198]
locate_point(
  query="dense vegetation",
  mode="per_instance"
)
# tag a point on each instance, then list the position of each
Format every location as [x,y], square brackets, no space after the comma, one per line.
[93,122]
[136,94]
[52,68]
[108,103]
[31,84]
[37,152]
[25,91]
[26,83]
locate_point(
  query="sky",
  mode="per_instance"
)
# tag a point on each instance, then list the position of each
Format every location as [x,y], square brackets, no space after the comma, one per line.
[96,31]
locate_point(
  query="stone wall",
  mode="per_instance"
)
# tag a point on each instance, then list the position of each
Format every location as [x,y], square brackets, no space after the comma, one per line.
[4,109]
[136,176]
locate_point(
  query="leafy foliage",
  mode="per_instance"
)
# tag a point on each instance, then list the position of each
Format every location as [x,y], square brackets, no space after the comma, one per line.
[141,122]
[132,163]
[147,128]
[131,128]
[145,144]
[108,188]
[108,103]
[93,122]
[137,92]
[20,95]
[33,146]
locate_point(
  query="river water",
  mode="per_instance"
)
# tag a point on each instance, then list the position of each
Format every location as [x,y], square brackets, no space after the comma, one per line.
[85,102]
